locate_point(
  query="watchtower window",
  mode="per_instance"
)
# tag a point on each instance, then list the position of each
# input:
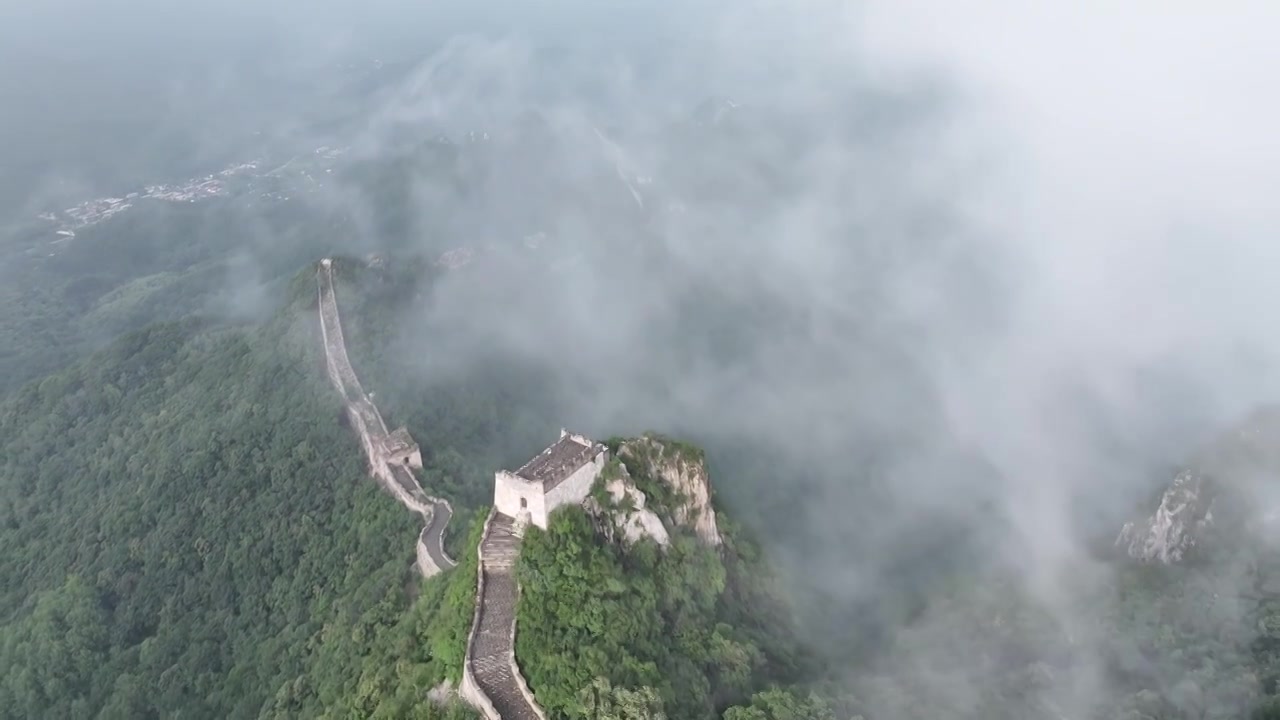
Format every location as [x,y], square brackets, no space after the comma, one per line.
[524,503]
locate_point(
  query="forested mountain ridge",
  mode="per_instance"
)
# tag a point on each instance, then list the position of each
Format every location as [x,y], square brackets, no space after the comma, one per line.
[182,432]
[188,530]
[193,533]
[681,623]
[936,312]
[737,636]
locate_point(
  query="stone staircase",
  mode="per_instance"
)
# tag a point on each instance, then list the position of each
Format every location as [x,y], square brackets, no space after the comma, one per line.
[491,679]
[491,653]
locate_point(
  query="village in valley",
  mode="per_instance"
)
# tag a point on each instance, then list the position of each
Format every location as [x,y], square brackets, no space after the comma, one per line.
[306,171]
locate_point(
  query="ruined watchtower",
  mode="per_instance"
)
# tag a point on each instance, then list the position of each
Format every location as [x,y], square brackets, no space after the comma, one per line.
[402,450]
[560,475]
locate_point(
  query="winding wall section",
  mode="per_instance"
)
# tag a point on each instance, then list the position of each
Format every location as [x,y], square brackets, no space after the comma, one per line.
[369,426]
[491,680]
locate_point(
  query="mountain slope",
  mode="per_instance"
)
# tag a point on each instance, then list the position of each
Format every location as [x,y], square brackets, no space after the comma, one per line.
[189,530]
[686,620]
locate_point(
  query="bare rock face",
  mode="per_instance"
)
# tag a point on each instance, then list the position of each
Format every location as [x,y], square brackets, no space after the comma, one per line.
[626,513]
[684,472]
[1231,488]
[639,522]
[652,486]
[1185,512]
[443,694]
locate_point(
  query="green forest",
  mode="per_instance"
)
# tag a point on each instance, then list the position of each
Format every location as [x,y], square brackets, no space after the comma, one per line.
[189,532]
[679,624]
[189,529]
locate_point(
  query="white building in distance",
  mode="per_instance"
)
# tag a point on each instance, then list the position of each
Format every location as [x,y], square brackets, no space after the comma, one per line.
[560,475]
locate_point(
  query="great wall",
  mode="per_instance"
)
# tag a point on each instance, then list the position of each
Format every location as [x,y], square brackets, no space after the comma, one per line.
[374,436]
[491,680]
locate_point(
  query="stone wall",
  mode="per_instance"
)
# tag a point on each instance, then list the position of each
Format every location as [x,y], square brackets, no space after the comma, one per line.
[490,659]
[469,690]
[573,489]
[341,372]
[409,458]
[426,566]
[431,555]
[369,426]
[519,676]
[508,491]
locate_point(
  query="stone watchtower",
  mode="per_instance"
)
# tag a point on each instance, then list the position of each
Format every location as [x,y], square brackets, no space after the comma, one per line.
[402,450]
[560,475]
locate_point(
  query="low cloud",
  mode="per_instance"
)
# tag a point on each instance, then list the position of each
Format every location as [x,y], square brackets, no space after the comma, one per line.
[988,266]
[977,269]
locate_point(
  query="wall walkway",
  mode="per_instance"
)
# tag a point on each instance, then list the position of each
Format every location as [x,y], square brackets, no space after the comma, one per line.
[491,679]
[372,430]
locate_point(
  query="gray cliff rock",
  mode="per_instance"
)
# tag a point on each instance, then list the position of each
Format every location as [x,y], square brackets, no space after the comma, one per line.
[652,487]
[1178,524]
[624,512]
[1231,488]
[640,522]
[682,470]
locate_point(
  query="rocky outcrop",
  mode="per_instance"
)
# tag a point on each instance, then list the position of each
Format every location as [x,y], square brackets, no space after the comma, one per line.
[377,441]
[1231,488]
[625,514]
[1178,524]
[683,470]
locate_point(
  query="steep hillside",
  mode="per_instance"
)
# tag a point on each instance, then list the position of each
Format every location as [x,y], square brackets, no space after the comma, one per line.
[188,529]
[193,531]
[640,599]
